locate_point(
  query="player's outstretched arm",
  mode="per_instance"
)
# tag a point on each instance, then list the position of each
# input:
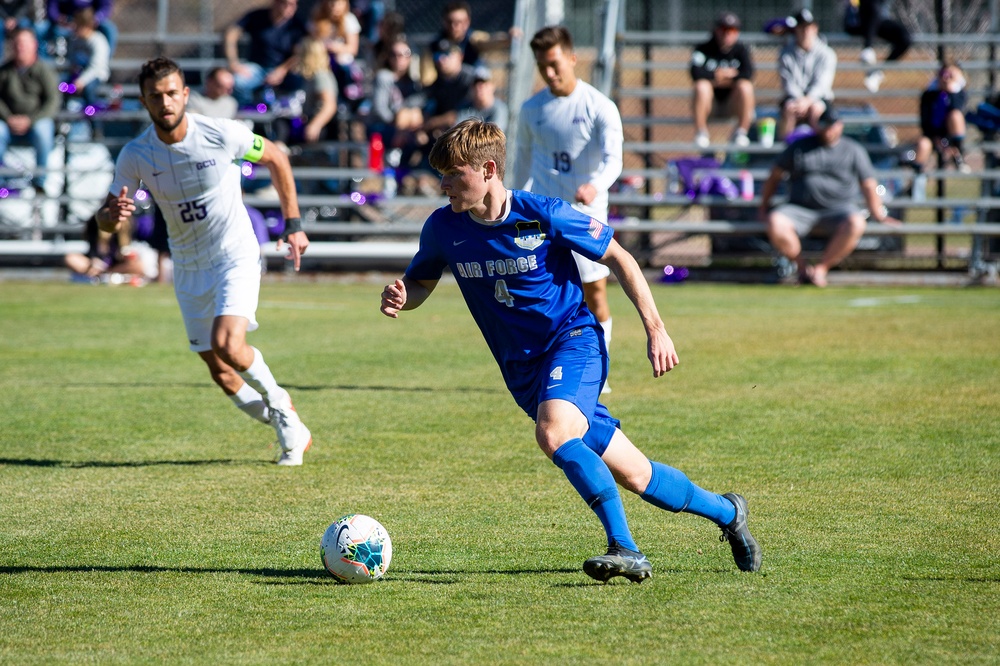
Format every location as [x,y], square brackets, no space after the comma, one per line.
[659,346]
[405,294]
[284,183]
[116,209]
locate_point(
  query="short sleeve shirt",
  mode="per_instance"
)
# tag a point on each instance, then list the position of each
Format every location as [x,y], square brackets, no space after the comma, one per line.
[825,177]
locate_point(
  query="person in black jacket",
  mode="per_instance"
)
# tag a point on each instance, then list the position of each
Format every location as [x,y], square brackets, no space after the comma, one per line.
[722,70]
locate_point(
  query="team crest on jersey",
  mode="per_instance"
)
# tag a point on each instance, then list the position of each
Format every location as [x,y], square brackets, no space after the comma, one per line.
[529,234]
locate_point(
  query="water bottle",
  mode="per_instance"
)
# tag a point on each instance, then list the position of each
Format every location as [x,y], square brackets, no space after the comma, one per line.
[115,101]
[389,182]
[746,185]
[673,178]
[376,152]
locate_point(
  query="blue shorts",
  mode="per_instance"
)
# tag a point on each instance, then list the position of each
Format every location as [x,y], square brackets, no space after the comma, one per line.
[574,370]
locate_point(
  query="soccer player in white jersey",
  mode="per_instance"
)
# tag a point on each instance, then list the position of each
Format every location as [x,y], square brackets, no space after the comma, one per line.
[191,165]
[569,145]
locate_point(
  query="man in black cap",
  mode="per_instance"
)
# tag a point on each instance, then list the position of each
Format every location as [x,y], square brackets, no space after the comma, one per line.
[722,70]
[806,67]
[827,172]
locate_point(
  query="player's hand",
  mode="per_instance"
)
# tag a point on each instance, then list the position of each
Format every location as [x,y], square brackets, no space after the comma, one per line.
[661,352]
[393,299]
[586,193]
[119,210]
[297,244]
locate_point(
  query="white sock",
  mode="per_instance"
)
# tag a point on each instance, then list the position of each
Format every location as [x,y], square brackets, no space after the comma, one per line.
[259,376]
[252,403]
[606,325]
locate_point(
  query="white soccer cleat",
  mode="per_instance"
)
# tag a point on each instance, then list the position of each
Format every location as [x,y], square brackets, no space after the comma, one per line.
[293,435]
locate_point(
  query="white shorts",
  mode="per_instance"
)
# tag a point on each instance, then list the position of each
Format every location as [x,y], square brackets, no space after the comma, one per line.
[206,294]
[590,271]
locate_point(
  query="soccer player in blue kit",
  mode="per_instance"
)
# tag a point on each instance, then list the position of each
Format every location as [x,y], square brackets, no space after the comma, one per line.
[511,253]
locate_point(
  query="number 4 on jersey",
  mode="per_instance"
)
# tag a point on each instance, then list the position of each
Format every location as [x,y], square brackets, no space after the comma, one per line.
[502,294]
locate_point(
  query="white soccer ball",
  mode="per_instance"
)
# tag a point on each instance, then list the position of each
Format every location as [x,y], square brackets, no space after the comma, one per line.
[356,549]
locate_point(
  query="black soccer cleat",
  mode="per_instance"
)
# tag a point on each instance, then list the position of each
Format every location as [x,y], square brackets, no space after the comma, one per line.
[619,561]
[746,552]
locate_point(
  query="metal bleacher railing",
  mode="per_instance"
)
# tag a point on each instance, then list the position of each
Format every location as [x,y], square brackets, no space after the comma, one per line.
[360,227]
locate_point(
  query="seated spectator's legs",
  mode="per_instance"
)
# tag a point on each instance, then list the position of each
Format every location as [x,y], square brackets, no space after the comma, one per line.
[842,243]
[4,139]
[42,136]
[797,111]
[897,35]
[702,98]
[925,146]
[244,87]
[743,104]
[784,238]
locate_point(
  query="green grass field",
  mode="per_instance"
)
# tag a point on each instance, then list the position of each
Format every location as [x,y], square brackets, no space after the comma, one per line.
[144,523]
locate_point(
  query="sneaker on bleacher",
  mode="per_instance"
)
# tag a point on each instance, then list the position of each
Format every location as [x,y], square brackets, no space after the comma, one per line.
[702,140]
[740,137]
[873,80]
[868,56]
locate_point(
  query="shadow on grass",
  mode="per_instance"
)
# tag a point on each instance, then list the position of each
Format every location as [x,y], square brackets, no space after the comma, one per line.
[292,576]
[302,574]
[81,464]
[301,387]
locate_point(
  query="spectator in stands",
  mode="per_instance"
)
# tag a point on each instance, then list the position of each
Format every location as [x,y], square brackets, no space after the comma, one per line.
[450,88]
[215,99]
[342,41]
[869,19]
[722,70]
[483,102]
[106,253]
[397,102]
[456,21]
[391,29]
[19,14]
[89,56]
[59,25]
[29,101]
[806,67]
[569,145]
[942,123]
[320,105]
[274,32]
[826,171]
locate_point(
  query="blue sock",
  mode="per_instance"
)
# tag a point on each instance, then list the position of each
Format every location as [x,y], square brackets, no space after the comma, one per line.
[670,489]
[593,480]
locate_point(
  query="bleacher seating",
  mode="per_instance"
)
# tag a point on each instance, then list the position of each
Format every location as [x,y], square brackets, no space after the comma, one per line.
[355,225]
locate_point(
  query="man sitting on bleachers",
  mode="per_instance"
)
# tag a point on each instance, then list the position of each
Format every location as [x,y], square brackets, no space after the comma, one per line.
[806,67]
[29,101]
[722,71]
[826,173]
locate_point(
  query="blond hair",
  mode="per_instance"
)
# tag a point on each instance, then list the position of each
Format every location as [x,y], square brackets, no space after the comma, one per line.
[314,57]
[474,142]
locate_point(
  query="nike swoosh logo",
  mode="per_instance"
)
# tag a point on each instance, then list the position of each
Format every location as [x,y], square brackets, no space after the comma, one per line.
[552,386]
[156,173]
[457,243]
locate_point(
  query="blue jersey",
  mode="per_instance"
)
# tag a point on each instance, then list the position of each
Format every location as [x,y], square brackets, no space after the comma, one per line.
[517,275]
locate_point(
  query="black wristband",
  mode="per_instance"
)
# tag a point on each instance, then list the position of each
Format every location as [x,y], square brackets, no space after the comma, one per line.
[292,225]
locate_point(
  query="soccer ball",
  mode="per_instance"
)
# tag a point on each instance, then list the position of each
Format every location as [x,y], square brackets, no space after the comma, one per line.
[356,549]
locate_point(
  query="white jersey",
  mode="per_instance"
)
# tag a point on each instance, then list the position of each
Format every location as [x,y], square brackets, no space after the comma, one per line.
[566,142]
[196,184]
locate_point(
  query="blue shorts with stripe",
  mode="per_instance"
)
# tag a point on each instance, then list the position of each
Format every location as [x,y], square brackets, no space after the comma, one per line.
[574,370]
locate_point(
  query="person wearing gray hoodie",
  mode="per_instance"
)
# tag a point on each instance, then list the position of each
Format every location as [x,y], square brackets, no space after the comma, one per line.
[806,67]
